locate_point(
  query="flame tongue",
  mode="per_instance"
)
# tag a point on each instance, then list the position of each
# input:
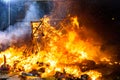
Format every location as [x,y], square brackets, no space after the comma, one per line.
[58,49]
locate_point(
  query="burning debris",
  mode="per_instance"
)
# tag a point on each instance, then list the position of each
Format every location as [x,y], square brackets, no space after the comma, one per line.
[61,53]
[4,70]
[4,67]
[87,65]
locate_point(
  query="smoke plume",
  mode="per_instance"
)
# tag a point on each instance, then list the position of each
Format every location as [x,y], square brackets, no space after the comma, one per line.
[21,29]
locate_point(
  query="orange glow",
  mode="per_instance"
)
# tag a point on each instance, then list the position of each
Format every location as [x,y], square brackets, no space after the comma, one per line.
[94,74]
[63,48]
[105,59]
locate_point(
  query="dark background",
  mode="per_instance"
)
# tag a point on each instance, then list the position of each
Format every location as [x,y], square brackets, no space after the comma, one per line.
[103,16]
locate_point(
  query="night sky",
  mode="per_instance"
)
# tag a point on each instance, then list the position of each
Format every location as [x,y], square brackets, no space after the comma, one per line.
[103,16]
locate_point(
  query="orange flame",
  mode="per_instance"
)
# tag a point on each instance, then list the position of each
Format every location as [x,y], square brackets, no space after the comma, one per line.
[62,48]
[94,75]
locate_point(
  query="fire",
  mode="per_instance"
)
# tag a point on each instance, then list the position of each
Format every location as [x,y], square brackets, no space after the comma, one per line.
[105,59]
[94,74]
[59,49]
[75,22]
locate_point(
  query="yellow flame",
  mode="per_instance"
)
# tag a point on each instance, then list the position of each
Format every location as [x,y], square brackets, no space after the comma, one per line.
[94,75]
[61,49]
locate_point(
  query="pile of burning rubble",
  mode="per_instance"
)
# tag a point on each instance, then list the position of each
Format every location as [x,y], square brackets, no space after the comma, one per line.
[64,52]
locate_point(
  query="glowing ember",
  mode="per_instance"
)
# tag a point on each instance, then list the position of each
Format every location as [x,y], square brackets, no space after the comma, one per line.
[59,49]
[94,75]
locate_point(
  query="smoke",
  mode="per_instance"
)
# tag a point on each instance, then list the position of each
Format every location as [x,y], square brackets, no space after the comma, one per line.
[20,30]
[33,13]
[61,9]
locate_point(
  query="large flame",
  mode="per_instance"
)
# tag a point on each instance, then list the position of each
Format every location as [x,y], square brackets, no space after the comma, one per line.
[59,49]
